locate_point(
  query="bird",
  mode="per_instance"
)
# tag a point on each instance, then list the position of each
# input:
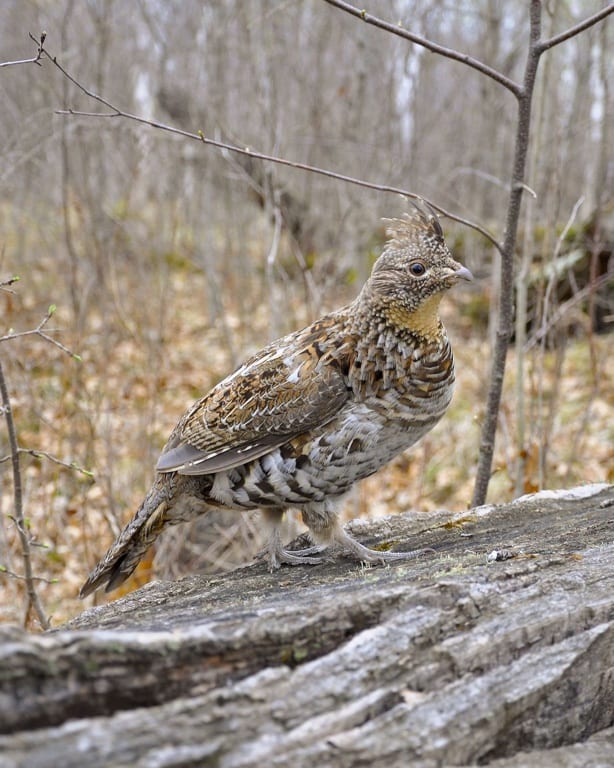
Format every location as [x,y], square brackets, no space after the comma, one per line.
[300,422]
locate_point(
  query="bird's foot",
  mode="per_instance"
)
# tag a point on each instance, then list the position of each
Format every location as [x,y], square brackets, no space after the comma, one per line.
[298,557]
[358,551]
[277,555]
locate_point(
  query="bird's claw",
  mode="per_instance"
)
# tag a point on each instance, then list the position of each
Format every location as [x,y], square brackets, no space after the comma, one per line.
[277,555]
[358,551]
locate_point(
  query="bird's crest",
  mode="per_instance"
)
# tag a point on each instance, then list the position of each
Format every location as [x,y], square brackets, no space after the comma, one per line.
[422,221]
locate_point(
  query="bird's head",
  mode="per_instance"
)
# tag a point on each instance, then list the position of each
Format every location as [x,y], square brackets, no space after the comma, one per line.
[413,272]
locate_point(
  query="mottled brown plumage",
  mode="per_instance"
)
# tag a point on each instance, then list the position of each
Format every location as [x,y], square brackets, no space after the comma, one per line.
[314,412]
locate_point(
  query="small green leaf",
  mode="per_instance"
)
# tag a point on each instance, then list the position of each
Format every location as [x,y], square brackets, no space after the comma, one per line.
[52,309]
[76,357]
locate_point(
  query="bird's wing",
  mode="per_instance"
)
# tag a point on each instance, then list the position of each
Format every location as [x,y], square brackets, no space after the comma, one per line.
[288,388]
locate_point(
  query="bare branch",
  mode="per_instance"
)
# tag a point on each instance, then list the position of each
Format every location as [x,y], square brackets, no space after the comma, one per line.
[33,600]
[4,571]
[38,331]
[449,53]
[37,454]
[34,59]
[466,223]
[5,283]
[20,523]
[544,45]
[567,227]
[116,112]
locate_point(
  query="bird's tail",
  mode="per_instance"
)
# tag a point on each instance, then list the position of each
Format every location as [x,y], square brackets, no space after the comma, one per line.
[131,545]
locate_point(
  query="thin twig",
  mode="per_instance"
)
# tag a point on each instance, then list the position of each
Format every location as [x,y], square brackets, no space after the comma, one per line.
[544,45]
[566,228]
[38,331]
[20,524]
[33,600]
[5,283]
[116,112]
[34,59]
[441,50]
[38,454]
[4,571]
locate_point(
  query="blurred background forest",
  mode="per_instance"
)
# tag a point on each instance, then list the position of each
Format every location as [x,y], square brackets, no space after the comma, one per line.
[169,261]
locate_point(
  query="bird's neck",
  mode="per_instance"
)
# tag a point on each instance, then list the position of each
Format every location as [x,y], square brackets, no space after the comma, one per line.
[423,322]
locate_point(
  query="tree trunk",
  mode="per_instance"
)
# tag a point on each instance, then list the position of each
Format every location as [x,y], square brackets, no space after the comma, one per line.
[498,644]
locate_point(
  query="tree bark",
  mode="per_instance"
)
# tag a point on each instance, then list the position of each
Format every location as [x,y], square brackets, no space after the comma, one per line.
[450,659]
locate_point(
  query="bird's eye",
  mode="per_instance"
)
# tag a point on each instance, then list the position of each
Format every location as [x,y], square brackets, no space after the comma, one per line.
[417,268]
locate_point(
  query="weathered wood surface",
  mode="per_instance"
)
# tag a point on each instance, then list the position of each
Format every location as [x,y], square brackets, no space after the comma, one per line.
[446,660]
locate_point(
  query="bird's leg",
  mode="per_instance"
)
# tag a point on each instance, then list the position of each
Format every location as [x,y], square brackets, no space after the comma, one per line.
[277,554]
[358,551]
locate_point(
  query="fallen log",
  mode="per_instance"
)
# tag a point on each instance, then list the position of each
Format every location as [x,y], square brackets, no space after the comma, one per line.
[496,649]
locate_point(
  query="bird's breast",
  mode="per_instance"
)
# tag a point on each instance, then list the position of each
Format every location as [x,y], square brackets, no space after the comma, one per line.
[402,373]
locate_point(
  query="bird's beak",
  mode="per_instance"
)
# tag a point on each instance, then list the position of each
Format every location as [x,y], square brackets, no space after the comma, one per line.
[463,274]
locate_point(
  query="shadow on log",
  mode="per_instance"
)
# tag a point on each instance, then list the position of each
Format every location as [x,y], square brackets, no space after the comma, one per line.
[499,644]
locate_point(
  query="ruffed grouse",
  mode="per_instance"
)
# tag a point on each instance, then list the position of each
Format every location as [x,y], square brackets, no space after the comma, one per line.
[312,413]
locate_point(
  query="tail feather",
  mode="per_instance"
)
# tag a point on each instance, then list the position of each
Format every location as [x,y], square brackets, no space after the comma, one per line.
[131,545]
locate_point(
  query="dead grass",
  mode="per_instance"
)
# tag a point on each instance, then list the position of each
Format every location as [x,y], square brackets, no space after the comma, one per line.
[149,349]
